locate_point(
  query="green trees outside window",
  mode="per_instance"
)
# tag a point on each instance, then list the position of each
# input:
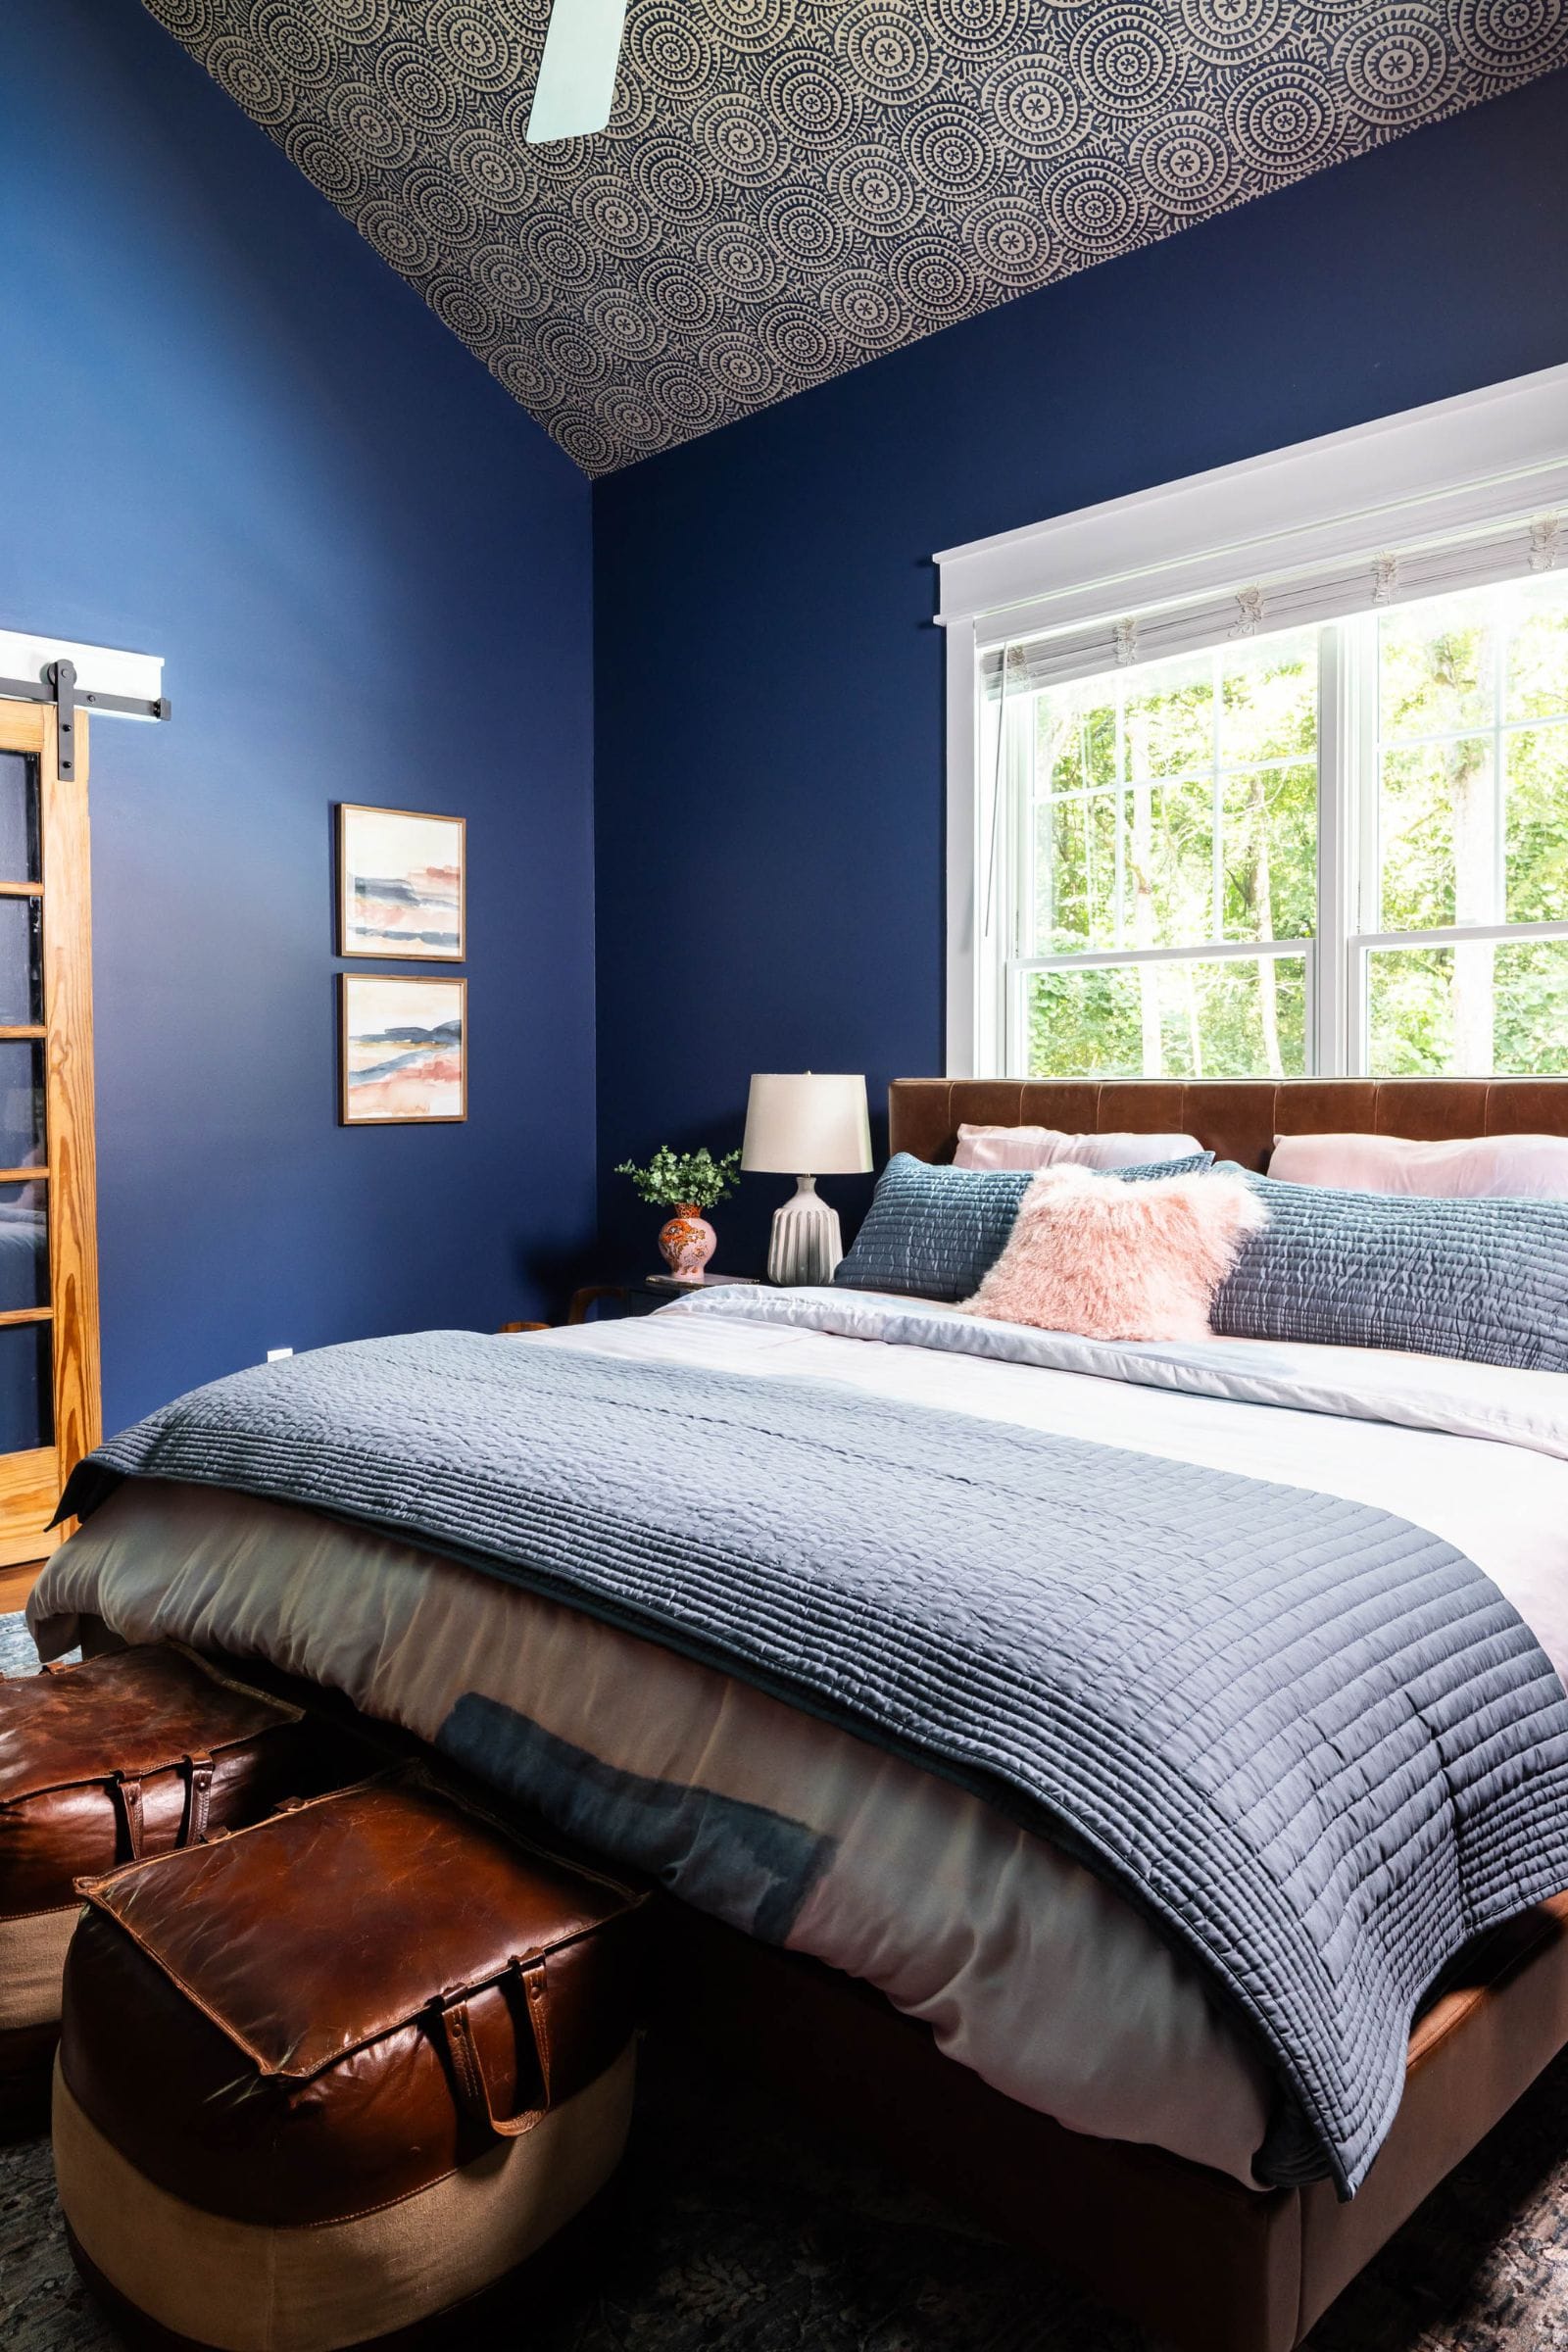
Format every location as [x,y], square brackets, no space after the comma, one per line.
[1165,831]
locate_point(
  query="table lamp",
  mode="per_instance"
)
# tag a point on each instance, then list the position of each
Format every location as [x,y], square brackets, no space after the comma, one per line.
[804,1124]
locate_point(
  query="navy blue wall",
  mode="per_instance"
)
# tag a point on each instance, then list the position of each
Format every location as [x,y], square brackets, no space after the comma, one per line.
[768,743]
[229,434]
[233,436]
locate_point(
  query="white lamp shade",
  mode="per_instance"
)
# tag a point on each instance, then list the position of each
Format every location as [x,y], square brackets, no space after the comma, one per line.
[802,1123]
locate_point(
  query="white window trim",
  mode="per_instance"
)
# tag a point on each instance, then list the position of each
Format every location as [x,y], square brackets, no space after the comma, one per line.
[1456,464]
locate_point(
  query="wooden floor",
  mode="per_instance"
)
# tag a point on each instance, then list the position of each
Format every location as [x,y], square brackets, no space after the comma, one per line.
[16,1584]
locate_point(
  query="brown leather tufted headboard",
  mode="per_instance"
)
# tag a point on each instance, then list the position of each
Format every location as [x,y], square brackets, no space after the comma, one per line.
[1235,1117]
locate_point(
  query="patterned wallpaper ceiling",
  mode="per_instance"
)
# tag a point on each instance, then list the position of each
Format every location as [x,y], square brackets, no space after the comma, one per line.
[788,187]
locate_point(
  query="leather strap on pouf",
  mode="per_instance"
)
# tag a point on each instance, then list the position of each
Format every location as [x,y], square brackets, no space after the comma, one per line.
[198,1799]
[125,1788]
[467,2067]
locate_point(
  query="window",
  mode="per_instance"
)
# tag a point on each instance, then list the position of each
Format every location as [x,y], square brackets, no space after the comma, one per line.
[1168,866]
[1265,772]
[1466,964]
[1339,848]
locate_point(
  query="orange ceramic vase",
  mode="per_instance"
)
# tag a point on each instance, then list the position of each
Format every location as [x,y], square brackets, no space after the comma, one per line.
[687,1243]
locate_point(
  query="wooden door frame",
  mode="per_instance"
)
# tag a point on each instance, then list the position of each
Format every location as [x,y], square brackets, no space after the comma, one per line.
[30,1480]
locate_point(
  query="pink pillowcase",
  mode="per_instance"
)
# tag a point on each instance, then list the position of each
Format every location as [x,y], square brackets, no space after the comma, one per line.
[1053,1146]
[1108,1260]
[1532,1167]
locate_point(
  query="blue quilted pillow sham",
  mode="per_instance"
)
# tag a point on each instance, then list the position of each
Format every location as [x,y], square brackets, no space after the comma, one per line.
[1484,1280]
[932,1231]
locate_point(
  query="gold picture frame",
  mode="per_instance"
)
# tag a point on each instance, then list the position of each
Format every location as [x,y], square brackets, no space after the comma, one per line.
[403,1049]
[401,884]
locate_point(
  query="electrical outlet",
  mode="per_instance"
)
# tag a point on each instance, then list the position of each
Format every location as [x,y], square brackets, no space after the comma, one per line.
[276,1356]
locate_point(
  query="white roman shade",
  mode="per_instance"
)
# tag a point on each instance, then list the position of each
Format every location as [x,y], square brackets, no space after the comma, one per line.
[1523,545]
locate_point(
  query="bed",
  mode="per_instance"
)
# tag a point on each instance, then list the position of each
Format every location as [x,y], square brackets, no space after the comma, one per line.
[870,1935]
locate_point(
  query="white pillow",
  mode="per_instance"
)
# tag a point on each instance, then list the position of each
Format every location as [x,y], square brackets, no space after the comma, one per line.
[1474,1167]
[1053,1146]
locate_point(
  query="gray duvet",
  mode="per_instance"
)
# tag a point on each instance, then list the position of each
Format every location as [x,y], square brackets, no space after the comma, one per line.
[1313,1741]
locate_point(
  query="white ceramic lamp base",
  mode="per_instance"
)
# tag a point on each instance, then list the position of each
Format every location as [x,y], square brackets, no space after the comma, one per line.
[806,1243]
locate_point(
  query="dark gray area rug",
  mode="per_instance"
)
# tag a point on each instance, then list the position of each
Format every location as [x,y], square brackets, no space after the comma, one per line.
[737,2230]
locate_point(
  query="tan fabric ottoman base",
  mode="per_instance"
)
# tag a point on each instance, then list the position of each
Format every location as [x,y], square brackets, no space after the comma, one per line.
[503,2314]
[32,1953]
[175,2276]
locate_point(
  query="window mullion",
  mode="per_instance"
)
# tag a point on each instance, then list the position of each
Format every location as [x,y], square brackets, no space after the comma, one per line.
[1216,804]
[1356,753]
[1330,975]
[1119,830]
[1501,647]
[1016,818]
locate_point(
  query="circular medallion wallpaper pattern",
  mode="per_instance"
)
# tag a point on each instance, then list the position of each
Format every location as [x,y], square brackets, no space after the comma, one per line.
[788,187]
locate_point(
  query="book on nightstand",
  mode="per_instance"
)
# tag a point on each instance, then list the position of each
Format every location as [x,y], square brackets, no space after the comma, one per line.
[699,1282]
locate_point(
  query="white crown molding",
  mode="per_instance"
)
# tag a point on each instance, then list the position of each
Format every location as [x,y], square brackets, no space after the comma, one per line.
[1454,465]
[100,668]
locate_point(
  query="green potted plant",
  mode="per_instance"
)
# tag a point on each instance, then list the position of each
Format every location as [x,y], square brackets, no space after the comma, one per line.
[687,1182]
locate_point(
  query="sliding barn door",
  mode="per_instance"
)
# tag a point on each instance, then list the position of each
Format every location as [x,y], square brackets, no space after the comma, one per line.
[49,1410]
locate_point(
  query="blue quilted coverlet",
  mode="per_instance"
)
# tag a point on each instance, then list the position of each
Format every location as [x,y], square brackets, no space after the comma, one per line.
[1311,1740]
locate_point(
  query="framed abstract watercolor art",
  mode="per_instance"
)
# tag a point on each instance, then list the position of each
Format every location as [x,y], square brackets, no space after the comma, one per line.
[401,884]
[404,1050]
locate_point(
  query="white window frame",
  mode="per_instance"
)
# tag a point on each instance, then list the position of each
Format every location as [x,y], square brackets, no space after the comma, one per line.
[1457,464]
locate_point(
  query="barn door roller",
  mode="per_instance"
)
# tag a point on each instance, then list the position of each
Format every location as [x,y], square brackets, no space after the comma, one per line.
[57,684]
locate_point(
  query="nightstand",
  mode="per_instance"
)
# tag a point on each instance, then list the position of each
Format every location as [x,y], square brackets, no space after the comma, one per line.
[642,1295]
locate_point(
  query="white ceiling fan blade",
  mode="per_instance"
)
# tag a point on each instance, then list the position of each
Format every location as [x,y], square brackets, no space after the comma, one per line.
[576,85]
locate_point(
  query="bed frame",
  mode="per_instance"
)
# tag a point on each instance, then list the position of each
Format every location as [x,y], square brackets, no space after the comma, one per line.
[1201,2262]
[1193,2256]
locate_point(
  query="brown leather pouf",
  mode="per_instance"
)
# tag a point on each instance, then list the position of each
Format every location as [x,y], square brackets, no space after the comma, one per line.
[324,2080]
[134,1754]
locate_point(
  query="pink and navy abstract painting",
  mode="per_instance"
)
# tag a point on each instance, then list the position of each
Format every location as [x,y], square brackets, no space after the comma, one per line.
[404,1048]
[399,884]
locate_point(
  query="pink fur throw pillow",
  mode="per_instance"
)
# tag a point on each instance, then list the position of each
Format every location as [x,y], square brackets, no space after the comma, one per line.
[1108,1260]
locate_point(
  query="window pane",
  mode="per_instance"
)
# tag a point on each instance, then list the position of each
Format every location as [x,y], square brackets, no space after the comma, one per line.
[19,817]
[1170,719]
[21,962]
[1269,828]
[1437,666]
[1532,1015]
[1230,1017]
[1075,737]
[1538,651]
[23,1246]
[1175,750]
[21,1104]
[1438,841]
[1170,864]
[1536,825]
[27,1400]
[1076,873]
[1268,701]
[1465,1011]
